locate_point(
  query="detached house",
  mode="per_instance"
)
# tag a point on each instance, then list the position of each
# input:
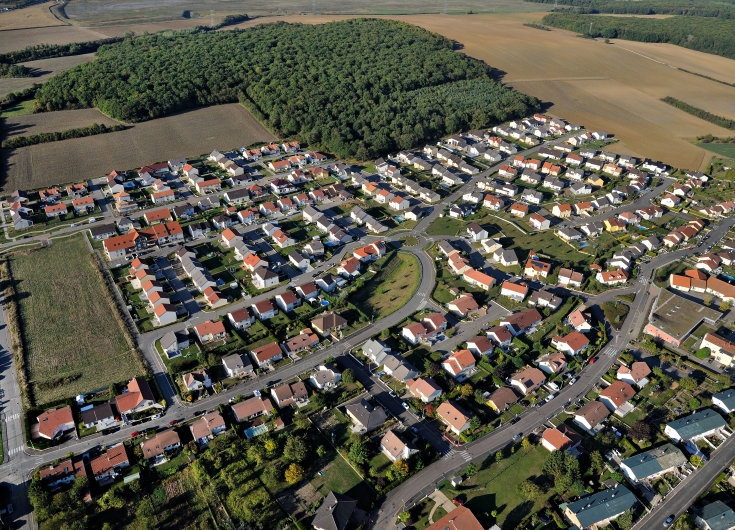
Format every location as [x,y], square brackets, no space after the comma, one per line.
[460,364]
[528,380]
[454,417]
[394,447]
[252,408]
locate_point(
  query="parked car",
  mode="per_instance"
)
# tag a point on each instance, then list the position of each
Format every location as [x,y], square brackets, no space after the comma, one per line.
[134,434]
[173,422]
[405,405]
[668,521]
[459,500]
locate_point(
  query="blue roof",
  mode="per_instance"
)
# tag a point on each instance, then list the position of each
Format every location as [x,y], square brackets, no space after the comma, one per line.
[603,505]
[655,461]
[727,397]
[696,424]
[718,515]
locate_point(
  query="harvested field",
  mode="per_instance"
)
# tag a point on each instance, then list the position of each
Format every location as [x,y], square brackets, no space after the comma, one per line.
[73,339]
[42,70]
[186,134]
[52,122]
[21,38]
[36,16]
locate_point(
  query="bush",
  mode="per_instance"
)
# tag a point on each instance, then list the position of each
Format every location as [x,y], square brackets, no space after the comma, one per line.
[703,353]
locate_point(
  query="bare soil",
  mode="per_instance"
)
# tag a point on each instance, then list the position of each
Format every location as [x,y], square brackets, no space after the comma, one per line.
[22,38]
[35,16]
[187,134]
[52,122]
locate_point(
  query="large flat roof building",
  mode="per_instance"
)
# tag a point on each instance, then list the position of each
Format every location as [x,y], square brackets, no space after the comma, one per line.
[674,317]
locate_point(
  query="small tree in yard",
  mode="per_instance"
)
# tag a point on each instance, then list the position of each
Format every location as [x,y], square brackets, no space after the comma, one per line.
[725,306]
[348,376]
[358,452]
[529,490]
[640,430]
[467,390]
[475,423]
[294,473]
[625,521]
[703,353]
[688,383]
[526,443]
[470,470]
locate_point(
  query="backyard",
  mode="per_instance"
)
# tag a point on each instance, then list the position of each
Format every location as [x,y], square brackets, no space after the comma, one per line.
[57,288]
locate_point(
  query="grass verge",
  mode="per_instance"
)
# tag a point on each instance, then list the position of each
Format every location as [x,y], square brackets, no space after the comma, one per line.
[391,288]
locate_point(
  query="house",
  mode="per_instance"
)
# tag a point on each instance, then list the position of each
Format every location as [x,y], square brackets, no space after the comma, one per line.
[424,388]
[695,426]
[210,330]
[287,301]
[615,277]
[285,394]
[572,344]
[61,473]
[539,222]
[460,518]
[552,363]
[563,211]
[328,323]
[478,279]
[49,196]
[725,400]
[714,516]
[653,463]
[207,427]
[463,305]
[514,291]
[208,186]
[376,351]
[100,416]
[636,374]
[106,466]
[251,408]
[502,398]
[263,278]
[528,381]
[237,365]
[536,268]
[532,197]
[325,377]
[460,364]
[327,283]
[598,509]
[264,309]
[334,513]
[303,341]
[616,396]
[561,438]
[454,417]
[253,262]
[476,232]
[55,422]
[722,350]
[519,323]
[164,313]
[161,443]
[55,210]
[136,397]
[674,317]
[307,291]
[365,417]
[174,342]
[197,380]
[569,278]
[394,447]
[590,415]
[519,210]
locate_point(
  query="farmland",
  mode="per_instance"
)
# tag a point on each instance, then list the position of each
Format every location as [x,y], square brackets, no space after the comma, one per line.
[58,287]
[42,69]
[727,150]
[36,16]
[186,134]
[52,122]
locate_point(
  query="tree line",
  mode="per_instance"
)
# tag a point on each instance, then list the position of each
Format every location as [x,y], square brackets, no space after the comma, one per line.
[700,113]
[700,8]
[709,35]
[80,132]
[52,51]
[356,88]
[14,70]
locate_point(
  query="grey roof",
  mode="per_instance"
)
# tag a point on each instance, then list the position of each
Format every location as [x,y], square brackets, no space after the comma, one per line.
[373,348]
[100,412]
[238,193]
[445,246]
[335,512]
[172,339]
[233,361]
[392,362]
[101,230]
[368,416]
[698,423]
[727,397]
[655,461]
[405,372]
[717,515]
[603,505]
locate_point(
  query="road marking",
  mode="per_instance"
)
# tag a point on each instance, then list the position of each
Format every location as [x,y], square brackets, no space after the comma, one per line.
[12,417]
[466,456]
[449,454]
[14,451]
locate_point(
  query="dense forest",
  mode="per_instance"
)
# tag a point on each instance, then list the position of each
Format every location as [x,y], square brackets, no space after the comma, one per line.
[709,35]
[700,113]
[701,8]
[42,138]
[355,88]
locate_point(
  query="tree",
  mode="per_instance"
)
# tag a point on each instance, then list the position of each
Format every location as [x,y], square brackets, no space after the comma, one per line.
[256,453]
[688,383]
[703,353]
[597,463]
[294,473]
[434,368]
[640,430]
[694,404]
[696,460]
[400,469]
[270,445]
[295,449]
[625,521]
[684,522]
[358,452]
[724,306]
[529,490]
[470,470]
[479,397]
[466,390]
[271,476]
[318,399]
[475,422]
[301,422]
[429,410]
[526,443]
[348,376]
[321,451]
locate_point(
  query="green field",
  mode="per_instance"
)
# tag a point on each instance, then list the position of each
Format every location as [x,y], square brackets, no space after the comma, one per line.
[74,341]
[445,226]
[494,488]
[391,288]
[19,109]
[727,150]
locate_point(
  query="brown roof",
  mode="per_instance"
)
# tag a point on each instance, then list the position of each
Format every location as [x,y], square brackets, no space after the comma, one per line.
[619,392]
[213,327]
[556,361]
[138,391]
[460,360]
[462,519]
[593,412]
[392,443]
[423,386]
[520,288]
[50,420]
[114,456]
[482,343]
[436,319]
[249,407]
[638,371]
[575,340]
[328,321]
[241,315]
[465,303]
[63,469]
[155,446]
[524,319]
[268,351]
[529,378]
[579,317]
[308,288]
[204,426]
[452,414]
[157,215]
[562,437]
[503,397]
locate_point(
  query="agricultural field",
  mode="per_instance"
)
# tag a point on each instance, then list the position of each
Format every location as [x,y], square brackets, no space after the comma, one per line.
[391,288]
[22,38]
[42,70]
[52,122]
[73,338]
[727,150]
[185,134]
[35,16]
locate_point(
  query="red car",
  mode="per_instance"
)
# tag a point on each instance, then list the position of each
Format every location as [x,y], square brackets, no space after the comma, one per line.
[173,422]
[460,500]
[592,361]
[134,434]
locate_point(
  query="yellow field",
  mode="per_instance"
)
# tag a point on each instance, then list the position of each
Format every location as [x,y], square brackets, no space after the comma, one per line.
[36,16]
[187,134]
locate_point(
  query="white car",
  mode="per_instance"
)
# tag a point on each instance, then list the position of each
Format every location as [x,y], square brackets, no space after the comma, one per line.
[405,405]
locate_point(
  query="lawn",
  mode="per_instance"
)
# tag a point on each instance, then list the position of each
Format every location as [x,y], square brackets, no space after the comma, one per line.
[494,487]
[19,109]
[615,313]
[72,332]
[391,288]
[546,243]
[445,226]
[341,478]
[727,150]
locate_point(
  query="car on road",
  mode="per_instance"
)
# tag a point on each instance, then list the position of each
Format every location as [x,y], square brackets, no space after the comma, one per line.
[173,422]
[517,436]
[550,397]
[156,416]
[515,420]
[574,380]
[414,430]
[134,434]
[405,405]
[592,361]
[668,521]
